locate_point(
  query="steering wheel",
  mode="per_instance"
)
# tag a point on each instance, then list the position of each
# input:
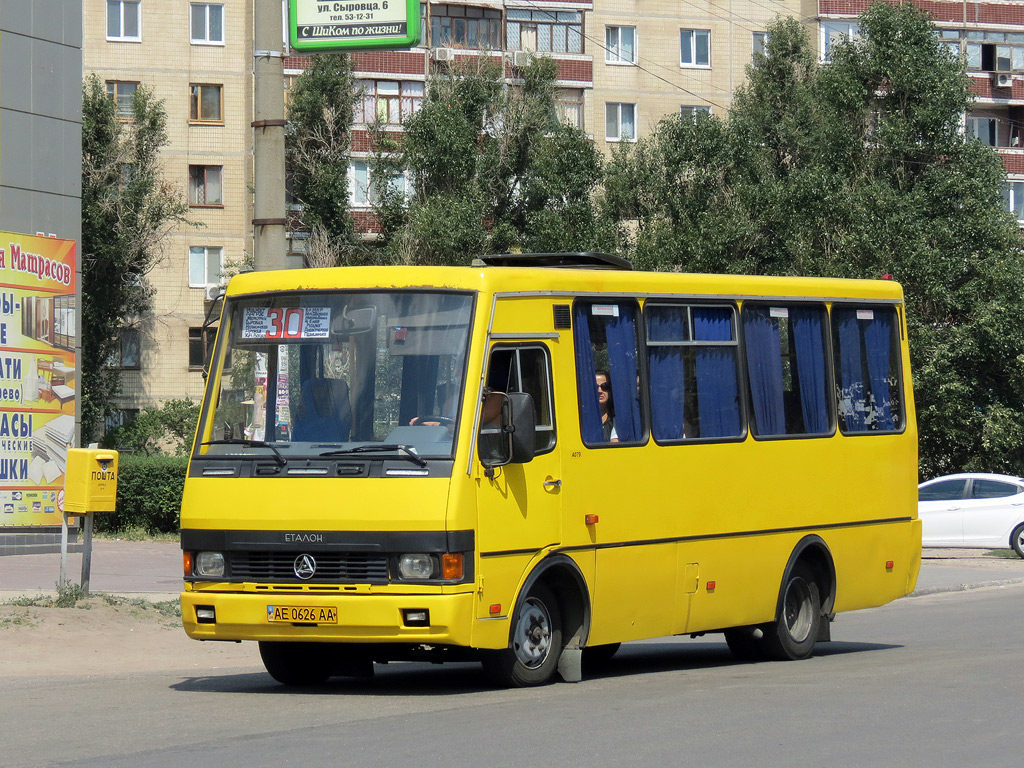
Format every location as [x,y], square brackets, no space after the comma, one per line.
[432,420]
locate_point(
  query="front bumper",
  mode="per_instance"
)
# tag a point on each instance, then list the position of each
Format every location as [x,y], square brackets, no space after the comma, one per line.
[362,618]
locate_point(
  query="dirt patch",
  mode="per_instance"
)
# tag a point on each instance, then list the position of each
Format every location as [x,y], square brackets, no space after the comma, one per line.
[105,634]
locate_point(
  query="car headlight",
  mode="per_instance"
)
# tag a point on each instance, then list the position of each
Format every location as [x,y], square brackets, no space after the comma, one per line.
[210,564]
[416,567]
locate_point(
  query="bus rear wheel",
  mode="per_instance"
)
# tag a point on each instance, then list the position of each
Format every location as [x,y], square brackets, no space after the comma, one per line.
[795,630]
[298,664]
[534,645]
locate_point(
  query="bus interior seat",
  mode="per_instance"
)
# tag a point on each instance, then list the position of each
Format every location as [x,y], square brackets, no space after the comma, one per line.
[324,413]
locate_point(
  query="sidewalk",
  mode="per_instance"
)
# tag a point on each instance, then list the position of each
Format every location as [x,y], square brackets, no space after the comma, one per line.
[147,569]
[152,570]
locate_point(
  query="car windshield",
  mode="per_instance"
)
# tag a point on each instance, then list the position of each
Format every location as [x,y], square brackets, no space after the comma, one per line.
[316,374]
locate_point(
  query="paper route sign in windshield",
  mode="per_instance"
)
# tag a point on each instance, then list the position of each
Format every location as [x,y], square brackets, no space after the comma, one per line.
[286,323]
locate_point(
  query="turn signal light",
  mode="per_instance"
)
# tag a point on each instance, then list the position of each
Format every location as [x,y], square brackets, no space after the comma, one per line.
[591,519]
[186,563]
[451,566]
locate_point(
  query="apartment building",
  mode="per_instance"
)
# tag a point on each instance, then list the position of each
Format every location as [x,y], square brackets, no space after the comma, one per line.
[623,65]
[197,58]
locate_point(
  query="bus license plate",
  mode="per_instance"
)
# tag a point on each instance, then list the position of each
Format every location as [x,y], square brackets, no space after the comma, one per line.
[302,614]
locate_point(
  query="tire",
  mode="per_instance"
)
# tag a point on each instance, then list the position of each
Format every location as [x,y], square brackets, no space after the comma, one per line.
[298,664]
[597,655]
[1017,540]
[535,643]
[744,646]
[795,630]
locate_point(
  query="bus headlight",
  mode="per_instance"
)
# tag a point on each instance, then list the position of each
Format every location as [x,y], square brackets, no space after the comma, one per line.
[416,567]
[209,564]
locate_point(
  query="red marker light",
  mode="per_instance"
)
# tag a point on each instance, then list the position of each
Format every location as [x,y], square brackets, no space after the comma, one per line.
[711,586]
[496,608]
[887,276]
[888,565]
[591,519]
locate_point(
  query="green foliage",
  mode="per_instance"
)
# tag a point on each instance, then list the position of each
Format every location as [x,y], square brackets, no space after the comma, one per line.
[127,209]
[148,495]
[317,148]
[171,426]
[492,171]
[856,168]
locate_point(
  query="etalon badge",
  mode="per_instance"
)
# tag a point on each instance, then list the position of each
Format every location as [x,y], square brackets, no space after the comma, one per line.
[304,566]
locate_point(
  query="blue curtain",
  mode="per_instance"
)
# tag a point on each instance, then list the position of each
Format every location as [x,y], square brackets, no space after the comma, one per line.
[590,411]
[806,327]
[850,371]
[764,366]
[621,335]
[717,395]
[877,341]
[666,370]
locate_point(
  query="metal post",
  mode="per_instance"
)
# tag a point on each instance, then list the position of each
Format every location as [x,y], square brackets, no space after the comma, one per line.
[63,551]
[86,552]
[268,141]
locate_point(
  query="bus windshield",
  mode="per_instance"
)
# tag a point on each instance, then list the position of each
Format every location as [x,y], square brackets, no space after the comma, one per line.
[324,374]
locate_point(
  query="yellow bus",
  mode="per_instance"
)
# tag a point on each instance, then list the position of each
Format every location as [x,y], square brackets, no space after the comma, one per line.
[533,459]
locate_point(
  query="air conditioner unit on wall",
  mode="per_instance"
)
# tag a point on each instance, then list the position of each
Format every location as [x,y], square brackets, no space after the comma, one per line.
[444,54]
[1003,80]
[213,292]
[520,59]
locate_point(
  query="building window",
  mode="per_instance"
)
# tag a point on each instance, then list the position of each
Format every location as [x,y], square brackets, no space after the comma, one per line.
[205,104]
[982,129]
[569,107]
[620,45]
[463,26]
[387,101]
[1013,194]
[760,41]
[205,265]
[364,189]
[204,185]
[691,112]
[835,32]
[123,94]
[119,418]
[200,346]
[124,20]
[619,121]
[544,31]
[128,351]
[207,23]
[695,47]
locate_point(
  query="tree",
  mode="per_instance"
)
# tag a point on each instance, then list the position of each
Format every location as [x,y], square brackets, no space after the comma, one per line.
[171,426]
[491,170]
[317,145]
[127,210]
[857,168]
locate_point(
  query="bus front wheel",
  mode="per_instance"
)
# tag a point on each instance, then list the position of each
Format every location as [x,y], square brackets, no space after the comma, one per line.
[795,630]
[534,645]
[298,664]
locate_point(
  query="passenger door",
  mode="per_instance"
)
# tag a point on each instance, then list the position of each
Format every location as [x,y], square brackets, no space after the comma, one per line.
[940,507]
[519,504]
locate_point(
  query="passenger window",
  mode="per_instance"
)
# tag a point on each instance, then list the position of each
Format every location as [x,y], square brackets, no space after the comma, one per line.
[607,373]
[992,489]
[947,490]
[527,369]
[785,352]
[867,364]
[694,374]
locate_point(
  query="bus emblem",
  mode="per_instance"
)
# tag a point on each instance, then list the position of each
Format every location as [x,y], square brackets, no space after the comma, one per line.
[304,566]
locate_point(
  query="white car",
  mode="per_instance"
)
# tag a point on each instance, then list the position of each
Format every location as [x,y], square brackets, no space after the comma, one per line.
[972,510]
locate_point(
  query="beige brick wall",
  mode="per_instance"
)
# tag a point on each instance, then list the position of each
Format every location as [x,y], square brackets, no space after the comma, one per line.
[168,62]
[658,84]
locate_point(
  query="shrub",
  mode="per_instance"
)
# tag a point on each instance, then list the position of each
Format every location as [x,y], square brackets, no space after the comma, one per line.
[148,495]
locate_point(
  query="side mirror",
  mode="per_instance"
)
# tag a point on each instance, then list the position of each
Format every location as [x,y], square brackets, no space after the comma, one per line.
[507,429]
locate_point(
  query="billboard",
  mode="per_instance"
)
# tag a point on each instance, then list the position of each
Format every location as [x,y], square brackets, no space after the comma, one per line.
[347,25]
[38,381]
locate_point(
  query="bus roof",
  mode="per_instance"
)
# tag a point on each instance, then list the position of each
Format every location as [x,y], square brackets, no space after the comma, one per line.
[560,281]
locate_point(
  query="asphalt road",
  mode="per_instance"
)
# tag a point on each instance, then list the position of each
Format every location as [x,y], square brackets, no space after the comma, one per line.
[929,681]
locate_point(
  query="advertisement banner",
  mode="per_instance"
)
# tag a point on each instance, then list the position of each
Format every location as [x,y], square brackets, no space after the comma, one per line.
[37,376]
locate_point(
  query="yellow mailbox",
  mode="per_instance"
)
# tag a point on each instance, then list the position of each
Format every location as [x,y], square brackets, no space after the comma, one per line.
[90,481]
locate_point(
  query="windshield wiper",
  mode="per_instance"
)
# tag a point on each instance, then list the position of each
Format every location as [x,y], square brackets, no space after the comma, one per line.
[403,451]
[281,460]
